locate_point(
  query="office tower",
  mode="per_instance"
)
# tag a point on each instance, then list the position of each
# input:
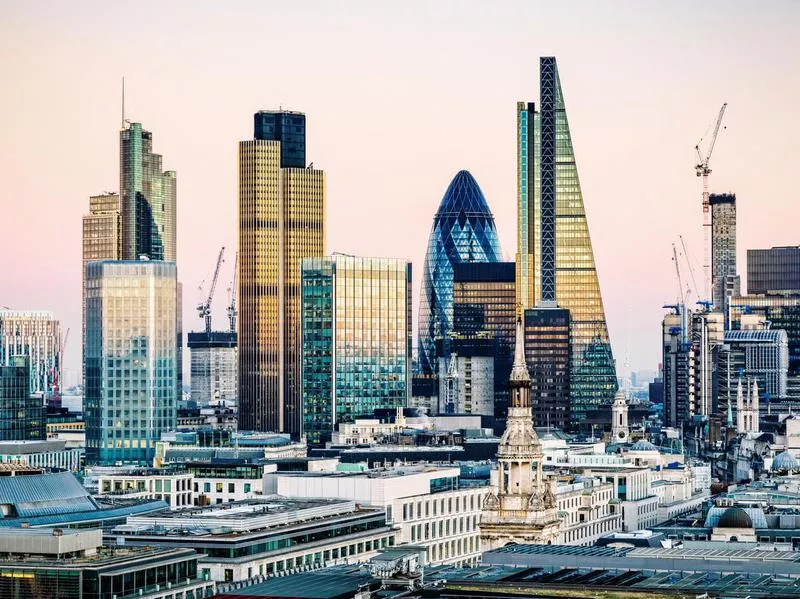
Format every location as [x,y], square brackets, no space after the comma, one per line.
[102,240]
[548,352]
[147,198]
[130,359]
[484,319]
[281,221]
[773,270]
[287,127]
[36,334]
[724,280]
[707,332]
[215,366]
[555,257]
[466,383]
[179,336]
[678,365]
[356,342]
[22,414]
[760,355]
[524,510]
[463,231]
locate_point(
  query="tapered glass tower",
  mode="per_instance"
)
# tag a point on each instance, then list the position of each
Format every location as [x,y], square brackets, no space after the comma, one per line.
[463,231]
[555,262]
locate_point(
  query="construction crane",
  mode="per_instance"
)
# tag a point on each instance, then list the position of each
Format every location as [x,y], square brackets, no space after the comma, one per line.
[204,309]
[232,295]
[702,169]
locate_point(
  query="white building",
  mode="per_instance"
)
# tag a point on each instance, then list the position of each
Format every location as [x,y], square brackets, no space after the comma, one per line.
[587,511]
[41,454]
[36,334]
[214,366]
[429,504]
[467,385]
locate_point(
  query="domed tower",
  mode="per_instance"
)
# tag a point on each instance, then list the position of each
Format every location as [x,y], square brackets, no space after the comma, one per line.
[523,510]
[620,433]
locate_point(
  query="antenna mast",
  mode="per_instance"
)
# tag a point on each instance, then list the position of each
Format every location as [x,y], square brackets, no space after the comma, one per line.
[123,103]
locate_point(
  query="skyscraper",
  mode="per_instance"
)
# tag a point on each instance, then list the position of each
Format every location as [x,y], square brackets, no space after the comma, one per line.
[22,414]
[463,231]
[281,221]
[102,240]
[773,270]
[724,280]
[147,198]
[356,315]
[555,257]
[215,367]
[678,364]
[547,351]
[130,359]
[287,127]
[37,335]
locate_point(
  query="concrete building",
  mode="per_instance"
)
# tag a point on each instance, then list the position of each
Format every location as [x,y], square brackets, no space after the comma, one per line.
[431,506]
[37,335]
[130,359]
[22,414]
[747,408]
[725,281]
[214,366]
[466,384]
[74,564]
[708,329]
[266,536]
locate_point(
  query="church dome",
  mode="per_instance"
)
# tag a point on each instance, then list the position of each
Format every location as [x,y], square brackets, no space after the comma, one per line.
[643,445]
[785,461]
[735,517]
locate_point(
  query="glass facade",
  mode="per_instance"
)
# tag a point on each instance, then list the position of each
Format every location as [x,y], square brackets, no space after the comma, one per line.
[463,231]
[130,359]
[356,315]
[22,415]
[281,221]
[724,280]
[556,261]
[773,270]
[547,356]
[37,335]
[214,366]
[147,198]
[289,128]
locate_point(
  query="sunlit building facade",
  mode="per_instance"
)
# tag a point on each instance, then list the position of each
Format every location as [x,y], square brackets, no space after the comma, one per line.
[130,359]
[37,335]
[147,198]
[281,221]
[555,258]
[356,315]
[463,231]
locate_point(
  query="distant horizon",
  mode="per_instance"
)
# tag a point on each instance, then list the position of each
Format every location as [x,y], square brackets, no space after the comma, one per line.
[399,98]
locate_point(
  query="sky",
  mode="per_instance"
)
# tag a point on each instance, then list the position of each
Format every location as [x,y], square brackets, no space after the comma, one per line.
[399,96]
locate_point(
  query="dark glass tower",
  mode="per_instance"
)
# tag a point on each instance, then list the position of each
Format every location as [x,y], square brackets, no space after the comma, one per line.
[463,231]
[555,259]
[289,128]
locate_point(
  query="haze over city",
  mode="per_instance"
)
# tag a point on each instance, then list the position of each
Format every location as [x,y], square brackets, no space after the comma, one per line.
[398,97]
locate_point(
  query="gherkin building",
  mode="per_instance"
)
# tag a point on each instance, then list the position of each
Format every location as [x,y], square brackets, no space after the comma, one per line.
[463,231]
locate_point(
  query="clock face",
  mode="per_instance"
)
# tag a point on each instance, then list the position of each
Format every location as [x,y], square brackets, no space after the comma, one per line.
[621,434]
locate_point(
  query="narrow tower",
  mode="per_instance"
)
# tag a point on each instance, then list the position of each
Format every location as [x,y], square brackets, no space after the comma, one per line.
[620,432]
[522,506]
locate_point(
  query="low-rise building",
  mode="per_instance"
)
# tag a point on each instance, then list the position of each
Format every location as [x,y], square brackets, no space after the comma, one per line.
[41,454]
[265,535]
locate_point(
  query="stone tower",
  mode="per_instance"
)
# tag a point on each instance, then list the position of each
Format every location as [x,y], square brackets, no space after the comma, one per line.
[620,433]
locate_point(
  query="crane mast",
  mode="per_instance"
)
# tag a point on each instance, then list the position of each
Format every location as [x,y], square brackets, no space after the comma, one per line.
[702,170]
[204,309]
[232,293]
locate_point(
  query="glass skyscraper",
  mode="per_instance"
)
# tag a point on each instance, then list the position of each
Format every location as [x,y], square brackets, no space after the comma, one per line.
[22,414]
[287,127]
[147,198]
[37,335]
[130,359]
[774,270]
[555,261]
[463,231]
[356,315]
[281,221]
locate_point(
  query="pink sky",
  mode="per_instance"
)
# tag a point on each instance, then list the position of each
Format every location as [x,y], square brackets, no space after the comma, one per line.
[399,97]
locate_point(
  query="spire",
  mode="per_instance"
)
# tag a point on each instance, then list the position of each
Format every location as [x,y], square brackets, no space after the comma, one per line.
[519,372]
[730,413]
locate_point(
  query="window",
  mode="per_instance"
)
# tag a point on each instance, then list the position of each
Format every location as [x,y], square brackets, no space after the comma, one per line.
[246,487]
[219,487]
[231,487]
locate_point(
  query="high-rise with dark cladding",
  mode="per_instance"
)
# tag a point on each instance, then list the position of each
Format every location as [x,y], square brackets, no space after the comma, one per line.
[463,231]
[555,261]
[281,221]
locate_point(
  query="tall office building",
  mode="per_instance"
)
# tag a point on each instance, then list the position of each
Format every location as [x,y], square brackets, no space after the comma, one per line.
[287,127]
[37,335]
[773,270]
[463,231]
[147,198]
[102,240]
[484,320]
[22,414]
[707,332]
[214,366]
[356,318]
[678,367]
[547,351]
[725,281]
[130,359]
[555,258]
[281,221]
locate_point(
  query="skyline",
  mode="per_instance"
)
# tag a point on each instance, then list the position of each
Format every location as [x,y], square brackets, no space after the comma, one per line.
[456,111]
